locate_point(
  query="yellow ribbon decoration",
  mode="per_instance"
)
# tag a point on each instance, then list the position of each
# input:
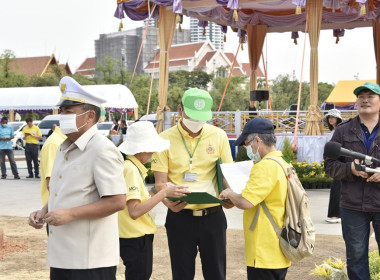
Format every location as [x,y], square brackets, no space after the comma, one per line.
[298,10]
[362,10]
[235,15]
[73,99]
[120,26]
[177,19]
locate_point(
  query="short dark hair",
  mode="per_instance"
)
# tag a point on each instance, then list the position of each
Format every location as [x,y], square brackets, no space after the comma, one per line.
[29,119]
[4,119]
[87,107]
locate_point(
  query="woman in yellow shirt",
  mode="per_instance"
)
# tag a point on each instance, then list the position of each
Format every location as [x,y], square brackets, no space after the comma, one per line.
[136,226]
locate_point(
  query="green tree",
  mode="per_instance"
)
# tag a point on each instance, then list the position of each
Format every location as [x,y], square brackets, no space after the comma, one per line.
[175,94]
[82,80]
[140,89]
[237,94]
[9,78]
[6,58]
[186,79]
[44,81]
[261,83]
[110,71]
[284,92]
[324,90]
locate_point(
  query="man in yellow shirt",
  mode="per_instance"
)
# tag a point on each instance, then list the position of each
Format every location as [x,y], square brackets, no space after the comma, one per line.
[191,161]
[47,157]
[32,134]
[267,182]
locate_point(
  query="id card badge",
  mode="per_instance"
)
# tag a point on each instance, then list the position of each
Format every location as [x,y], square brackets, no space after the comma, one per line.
[190,177]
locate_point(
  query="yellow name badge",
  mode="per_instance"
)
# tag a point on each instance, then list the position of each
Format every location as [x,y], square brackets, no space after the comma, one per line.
[190,177]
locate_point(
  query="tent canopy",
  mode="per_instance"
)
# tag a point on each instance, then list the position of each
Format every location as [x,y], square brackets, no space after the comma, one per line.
[343,92]
[254,19]
[46,98]
[277,15]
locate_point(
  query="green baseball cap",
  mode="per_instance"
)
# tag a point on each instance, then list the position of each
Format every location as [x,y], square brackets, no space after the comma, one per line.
[197,104]
[368,86]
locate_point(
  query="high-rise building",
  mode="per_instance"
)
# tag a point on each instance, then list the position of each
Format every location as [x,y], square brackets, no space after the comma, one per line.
[213,32]
[124,46]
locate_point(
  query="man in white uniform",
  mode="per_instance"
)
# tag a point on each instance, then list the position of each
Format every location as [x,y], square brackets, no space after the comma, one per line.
[87,189]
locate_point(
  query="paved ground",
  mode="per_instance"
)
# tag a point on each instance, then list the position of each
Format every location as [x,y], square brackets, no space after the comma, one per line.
[20,197]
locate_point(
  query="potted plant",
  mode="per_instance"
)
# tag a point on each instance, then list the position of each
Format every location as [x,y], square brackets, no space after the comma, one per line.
[331,269]
[312,176]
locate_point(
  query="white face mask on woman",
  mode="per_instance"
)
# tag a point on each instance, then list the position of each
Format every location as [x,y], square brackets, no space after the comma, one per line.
[68,123]
[193,125]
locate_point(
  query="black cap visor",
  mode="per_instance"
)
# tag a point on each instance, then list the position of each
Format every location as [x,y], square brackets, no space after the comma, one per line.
[240,140]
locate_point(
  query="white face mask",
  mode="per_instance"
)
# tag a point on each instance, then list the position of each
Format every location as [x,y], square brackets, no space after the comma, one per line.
[193,125]
[253,156]
[4,125]
[68,123]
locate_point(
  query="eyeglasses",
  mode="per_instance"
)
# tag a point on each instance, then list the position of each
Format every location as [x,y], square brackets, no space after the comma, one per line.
[247,144]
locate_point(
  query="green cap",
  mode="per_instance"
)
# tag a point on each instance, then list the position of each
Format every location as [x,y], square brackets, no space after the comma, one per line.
[367,86]
[197,104]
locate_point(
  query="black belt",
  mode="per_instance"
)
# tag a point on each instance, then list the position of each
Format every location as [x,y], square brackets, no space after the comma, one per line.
[202,212]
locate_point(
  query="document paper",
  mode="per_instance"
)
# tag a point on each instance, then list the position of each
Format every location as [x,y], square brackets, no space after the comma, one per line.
[237,174]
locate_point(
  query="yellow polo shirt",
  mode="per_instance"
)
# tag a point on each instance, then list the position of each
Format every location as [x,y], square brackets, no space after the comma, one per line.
[47,157]
[129,228]
[34,130]
[175,161]
[267,182]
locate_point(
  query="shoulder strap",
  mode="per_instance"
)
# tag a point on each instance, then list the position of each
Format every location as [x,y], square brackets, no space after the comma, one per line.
[280,163]
[263,204]
[270,217]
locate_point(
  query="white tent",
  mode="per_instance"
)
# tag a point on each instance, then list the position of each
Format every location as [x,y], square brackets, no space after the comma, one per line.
[117,96]
[29,98]
[46,98]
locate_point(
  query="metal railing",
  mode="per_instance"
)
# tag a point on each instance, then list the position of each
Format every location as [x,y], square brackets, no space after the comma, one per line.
[232,122]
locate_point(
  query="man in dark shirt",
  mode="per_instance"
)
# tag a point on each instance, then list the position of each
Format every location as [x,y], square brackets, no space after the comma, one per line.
[360,191]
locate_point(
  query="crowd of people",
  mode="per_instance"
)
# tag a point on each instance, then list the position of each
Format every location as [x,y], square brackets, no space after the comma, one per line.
[96,205]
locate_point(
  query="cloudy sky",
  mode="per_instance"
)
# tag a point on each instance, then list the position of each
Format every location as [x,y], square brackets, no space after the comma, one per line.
[69,28]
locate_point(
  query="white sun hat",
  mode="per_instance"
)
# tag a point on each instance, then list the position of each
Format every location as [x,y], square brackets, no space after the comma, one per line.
[143,137]
[332,113]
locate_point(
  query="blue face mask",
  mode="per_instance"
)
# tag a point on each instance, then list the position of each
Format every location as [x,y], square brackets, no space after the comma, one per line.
[253,156]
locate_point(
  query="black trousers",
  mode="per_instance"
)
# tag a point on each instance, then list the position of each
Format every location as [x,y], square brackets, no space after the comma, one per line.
[101,273]
[187,234]
[334,208]
[137,256]
[31,155]
[254,273]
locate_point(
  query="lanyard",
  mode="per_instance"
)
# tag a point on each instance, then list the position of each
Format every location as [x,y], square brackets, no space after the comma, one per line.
[142,176]
[187,148]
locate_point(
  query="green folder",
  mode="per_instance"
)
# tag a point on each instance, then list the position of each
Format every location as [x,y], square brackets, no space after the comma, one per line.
[204,197]
[198,198]
[219,175]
